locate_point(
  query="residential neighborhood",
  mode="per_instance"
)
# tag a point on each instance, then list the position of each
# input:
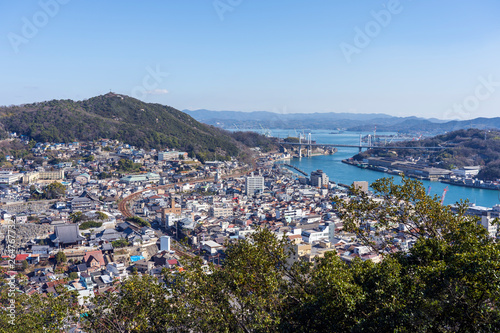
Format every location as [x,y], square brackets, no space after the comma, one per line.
[98,231]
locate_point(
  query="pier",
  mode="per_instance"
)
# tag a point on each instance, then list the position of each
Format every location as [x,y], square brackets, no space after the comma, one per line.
[297,169]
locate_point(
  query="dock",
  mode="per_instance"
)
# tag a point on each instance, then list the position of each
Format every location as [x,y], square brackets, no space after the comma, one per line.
[295,168]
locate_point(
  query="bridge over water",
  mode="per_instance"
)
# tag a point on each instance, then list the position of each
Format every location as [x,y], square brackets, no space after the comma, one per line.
[309,144]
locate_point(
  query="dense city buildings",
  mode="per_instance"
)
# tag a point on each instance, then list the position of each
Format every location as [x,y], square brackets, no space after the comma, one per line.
[110,224]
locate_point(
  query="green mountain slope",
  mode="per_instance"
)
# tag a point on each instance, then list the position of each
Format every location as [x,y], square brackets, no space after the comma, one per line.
[118,117]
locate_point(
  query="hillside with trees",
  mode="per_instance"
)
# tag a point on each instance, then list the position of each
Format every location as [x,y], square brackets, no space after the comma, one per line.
[117,117]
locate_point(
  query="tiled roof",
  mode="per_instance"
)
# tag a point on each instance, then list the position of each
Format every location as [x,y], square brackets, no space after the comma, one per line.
[67,234]
[97,254]
[21,257]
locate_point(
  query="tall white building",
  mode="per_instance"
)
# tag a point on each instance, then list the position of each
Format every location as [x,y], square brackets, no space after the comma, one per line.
[488,222]
[254,184]
[165,243]
[319,179]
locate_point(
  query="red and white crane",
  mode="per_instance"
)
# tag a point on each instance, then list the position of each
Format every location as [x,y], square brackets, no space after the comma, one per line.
[444,194]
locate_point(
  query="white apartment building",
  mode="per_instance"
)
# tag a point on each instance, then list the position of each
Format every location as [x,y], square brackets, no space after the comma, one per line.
[254,184]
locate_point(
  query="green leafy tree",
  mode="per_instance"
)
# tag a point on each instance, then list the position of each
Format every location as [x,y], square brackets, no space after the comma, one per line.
[90,224]
[25,265]
[73,275]
[54,190]
[36,193]
[37,313]
[119,243]
[104,175]
[249,293]
[31,144]
[139,221]
[61,257]
[127,165]
[76,217]
[141,305]
[89,158]
[33,219]
[101,216]
[447,281]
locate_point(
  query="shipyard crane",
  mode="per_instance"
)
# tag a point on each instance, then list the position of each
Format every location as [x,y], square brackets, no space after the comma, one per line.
[265,132]
[444,194]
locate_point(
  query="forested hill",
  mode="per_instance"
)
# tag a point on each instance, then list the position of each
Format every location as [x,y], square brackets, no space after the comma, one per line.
[118,117]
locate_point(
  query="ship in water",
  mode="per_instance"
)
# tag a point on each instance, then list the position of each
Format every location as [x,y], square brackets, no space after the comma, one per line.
[475,183]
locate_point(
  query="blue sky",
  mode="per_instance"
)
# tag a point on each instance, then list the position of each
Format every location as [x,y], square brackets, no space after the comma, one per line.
[423,58]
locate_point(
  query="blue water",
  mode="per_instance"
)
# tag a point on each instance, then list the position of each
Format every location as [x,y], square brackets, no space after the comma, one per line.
[346,174]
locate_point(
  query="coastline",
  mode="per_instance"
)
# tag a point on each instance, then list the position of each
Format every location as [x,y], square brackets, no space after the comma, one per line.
[482,186]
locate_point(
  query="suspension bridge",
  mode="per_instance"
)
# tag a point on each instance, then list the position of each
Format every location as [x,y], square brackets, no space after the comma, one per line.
[309,144]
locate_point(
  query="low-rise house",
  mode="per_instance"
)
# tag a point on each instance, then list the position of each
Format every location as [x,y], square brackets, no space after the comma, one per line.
[21,218]
[211,247]
[172,263]
[160,259]
[117,270]
[86,281]
[144,265]
[40,249]
[81,268]
[33,259]
[94,260]
[20,258]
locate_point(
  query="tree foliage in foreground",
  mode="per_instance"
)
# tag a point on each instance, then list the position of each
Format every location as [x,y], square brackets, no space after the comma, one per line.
[36,313]
[449,281]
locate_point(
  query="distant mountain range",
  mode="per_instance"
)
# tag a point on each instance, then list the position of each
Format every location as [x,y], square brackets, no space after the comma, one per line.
[347,121]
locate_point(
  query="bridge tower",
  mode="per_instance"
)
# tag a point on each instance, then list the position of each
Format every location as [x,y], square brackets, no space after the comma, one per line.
[300,145]
[309,147]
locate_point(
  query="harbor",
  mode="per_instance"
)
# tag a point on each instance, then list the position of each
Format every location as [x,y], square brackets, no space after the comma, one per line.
[346,174]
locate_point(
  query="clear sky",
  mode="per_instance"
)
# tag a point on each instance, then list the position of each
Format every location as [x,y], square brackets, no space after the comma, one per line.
[425,58]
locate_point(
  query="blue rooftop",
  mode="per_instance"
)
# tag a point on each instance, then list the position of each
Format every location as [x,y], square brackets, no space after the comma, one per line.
[136,258]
